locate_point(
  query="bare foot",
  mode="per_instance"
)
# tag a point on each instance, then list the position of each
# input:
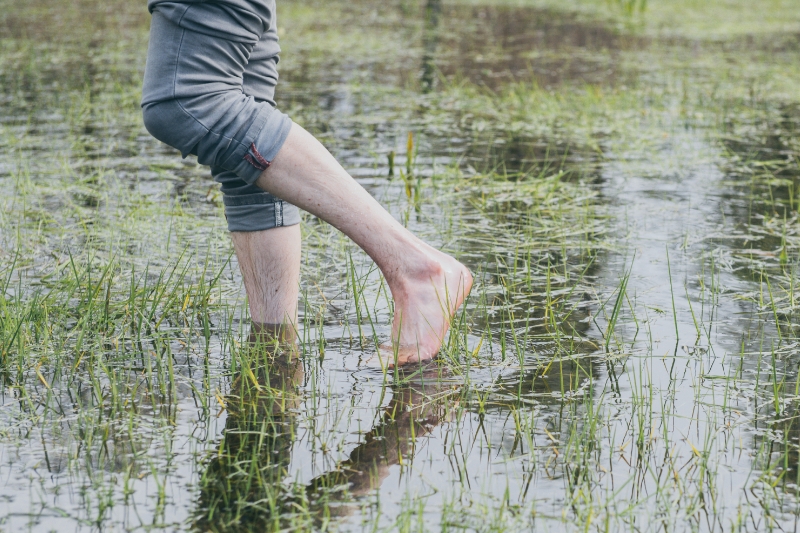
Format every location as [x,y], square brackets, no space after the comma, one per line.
[426,300]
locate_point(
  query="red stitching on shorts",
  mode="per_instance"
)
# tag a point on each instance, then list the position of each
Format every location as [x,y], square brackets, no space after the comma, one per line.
[260,163]
[249,159]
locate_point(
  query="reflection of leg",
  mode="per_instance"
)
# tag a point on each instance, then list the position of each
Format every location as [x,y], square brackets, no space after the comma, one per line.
[427,285]
[415,410]
[270,265]
[243,481]
[409,416]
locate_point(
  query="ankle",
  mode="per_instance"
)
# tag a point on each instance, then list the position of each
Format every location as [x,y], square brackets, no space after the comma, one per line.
[419,272]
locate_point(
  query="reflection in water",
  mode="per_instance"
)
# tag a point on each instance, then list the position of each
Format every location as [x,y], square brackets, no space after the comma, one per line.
[761,200]
[245,481]
[420,402]
[430,41]
[782,447]
[492,45]
[765,163]
[551,381]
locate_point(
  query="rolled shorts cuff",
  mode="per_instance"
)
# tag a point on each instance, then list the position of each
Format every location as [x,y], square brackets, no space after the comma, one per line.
[262,143]
[257,212]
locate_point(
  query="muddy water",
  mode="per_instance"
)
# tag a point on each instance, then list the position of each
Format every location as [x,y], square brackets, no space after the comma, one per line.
[661,421]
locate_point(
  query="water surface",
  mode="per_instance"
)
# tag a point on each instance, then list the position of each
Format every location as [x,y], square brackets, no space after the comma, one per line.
[628,357]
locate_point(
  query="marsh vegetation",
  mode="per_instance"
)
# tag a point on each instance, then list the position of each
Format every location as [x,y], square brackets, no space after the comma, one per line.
[622,178]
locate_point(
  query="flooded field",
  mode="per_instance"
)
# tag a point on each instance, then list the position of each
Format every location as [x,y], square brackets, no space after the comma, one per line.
[620,176]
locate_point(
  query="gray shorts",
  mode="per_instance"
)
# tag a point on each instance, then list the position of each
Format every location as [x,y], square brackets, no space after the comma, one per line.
[209,89]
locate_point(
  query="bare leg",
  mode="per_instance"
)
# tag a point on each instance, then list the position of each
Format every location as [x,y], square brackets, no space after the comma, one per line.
[428,286]
[270,265]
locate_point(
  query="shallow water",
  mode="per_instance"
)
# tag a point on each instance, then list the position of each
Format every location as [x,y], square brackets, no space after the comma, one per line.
[627,360]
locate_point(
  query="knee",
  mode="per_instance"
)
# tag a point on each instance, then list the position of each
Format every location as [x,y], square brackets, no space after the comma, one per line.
[155,121]
[170,124]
